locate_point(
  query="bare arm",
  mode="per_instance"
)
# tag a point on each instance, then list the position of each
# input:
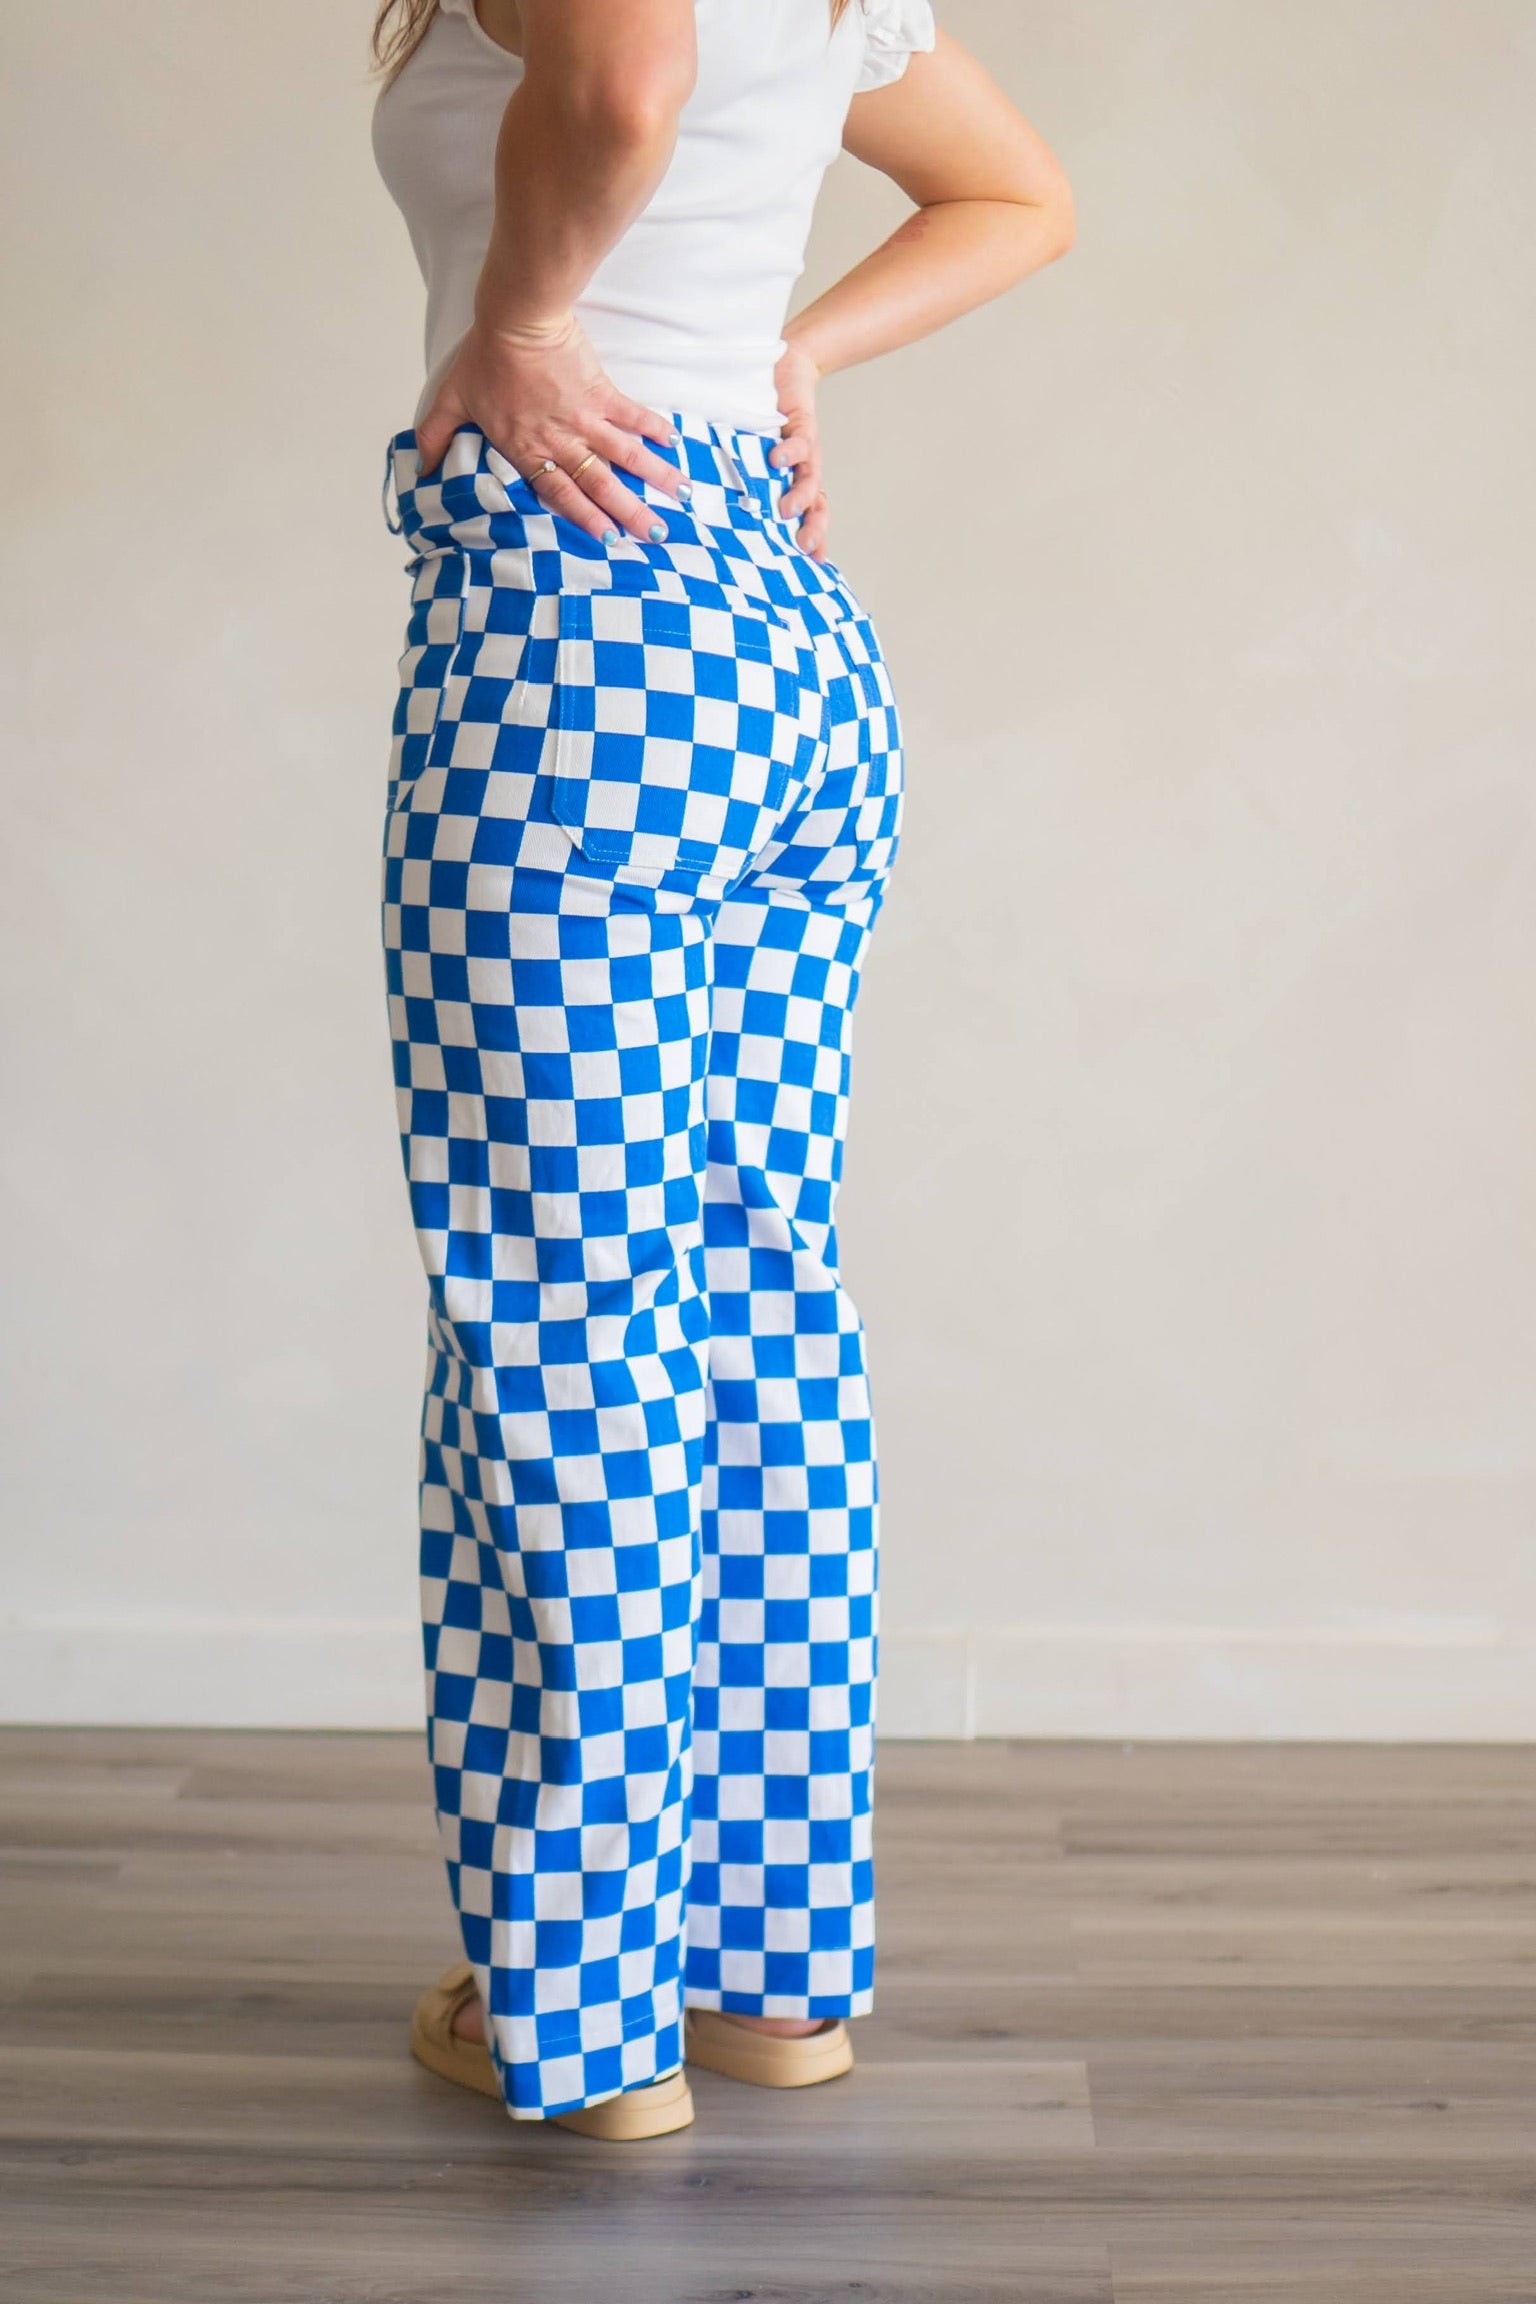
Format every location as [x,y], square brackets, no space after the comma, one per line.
[584,142]
[993,205]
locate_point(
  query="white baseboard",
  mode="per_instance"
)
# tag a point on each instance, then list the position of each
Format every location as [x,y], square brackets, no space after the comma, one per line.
[1188,1682]
[216,1672]
[1210,1684]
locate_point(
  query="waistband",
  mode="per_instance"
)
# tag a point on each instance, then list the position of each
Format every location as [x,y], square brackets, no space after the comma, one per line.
[729,470]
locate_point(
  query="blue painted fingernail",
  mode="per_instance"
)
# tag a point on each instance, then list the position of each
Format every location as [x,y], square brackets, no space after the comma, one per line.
[658,533]
[610,535]
[685,489]
[674,438]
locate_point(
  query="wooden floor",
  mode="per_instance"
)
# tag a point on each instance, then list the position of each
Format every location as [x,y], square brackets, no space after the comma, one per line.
[1158,2025]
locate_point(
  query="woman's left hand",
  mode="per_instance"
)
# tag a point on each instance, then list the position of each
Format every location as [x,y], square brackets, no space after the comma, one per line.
[796,378]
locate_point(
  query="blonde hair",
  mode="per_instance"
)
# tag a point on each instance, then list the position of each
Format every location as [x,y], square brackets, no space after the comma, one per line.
[401,26]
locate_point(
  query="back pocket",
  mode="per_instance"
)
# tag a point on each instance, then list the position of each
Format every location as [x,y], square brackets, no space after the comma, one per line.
[676,729]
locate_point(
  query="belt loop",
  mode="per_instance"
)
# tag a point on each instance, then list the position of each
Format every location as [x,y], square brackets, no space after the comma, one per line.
[396,527]
[730,470]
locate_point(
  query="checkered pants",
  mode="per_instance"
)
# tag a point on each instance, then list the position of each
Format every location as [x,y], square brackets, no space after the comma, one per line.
[643,806]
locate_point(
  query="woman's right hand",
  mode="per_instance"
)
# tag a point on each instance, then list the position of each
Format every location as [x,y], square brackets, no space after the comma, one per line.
[805,499]
[539,395]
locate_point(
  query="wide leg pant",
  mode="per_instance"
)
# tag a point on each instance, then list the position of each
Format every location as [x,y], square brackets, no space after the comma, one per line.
[643,808]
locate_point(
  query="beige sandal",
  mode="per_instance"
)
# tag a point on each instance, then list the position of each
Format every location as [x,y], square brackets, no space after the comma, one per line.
[434,2041]
[657,2110]
[721,2045]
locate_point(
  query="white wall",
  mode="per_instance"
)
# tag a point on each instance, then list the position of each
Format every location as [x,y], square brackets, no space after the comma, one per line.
[1189,1197]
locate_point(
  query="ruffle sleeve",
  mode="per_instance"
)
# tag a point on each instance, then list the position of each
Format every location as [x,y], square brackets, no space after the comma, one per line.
[892,30]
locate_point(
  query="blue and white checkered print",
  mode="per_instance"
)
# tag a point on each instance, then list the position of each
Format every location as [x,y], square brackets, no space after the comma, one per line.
[644,804]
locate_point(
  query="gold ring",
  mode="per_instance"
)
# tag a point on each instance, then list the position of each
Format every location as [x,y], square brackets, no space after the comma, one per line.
[539,470]
[589,458]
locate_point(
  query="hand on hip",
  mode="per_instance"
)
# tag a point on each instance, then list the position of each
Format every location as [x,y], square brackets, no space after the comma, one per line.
[541,398]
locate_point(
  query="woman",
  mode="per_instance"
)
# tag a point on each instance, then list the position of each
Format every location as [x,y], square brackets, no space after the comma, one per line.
[644,805]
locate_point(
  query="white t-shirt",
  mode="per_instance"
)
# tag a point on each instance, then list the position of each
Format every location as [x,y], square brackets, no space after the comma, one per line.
[686,312]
